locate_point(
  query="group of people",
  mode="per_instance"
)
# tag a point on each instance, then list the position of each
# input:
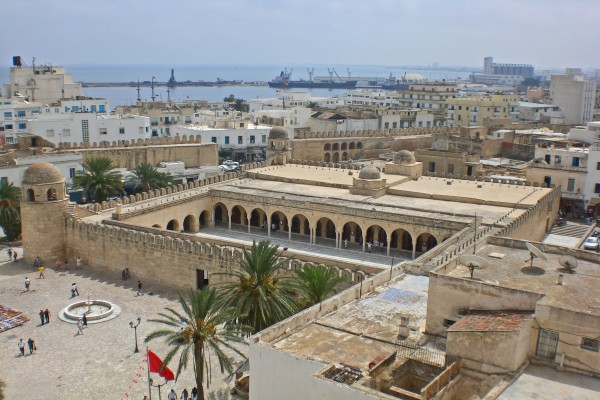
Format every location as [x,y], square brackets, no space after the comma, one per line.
[81,323]
[12,254]
[44,316]
[74,291]
[30,345]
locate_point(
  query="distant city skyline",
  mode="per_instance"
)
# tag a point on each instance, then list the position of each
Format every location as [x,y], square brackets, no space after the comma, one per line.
[547,34]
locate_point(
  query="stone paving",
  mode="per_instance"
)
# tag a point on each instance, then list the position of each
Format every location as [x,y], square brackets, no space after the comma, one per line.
[100,364]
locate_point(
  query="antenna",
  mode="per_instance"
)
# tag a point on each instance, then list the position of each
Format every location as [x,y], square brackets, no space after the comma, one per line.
[138,91]
[310,73]
[569,263]
[153,97]
[534,252]
[473,262]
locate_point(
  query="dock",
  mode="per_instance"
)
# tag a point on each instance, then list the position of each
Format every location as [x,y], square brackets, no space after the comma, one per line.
[173,84]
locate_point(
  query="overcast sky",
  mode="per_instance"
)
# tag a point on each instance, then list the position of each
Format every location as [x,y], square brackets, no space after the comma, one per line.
[545,33]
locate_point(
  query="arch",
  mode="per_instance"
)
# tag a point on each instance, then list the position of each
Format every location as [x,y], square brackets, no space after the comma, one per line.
[344,146]
[258,217]
[51,194]
[376,234]
[279,220]
[345,156]
[335,147]
[352,146]
[352,232]
[173,225]
[359,145]
[425,242]
[327,147]
[157,226]
[30,195]
[326,158]
[189,224]
[401,239]
[238,215]
[336,157]
[325,228]
[221,214]
[204,218]
[300,224]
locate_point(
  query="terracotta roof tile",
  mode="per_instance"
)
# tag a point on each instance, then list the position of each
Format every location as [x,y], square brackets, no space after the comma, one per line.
[492,321]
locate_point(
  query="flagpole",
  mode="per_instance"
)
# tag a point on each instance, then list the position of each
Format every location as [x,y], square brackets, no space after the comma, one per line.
[148,368]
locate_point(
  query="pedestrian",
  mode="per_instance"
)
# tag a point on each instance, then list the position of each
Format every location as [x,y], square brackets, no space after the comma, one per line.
[9,251]
[84,320]
[22,347]
[47,316]
[42,269]
[15,256]
[123,275]
[127,276]
[345,243]
[31,345]
[369,245]
[27,284]
[37,262]
[78,262]
[184,394]
[139,289]
[57,265]
[172,395]
[42,317]
[79,327]
[74,291]
[194,393]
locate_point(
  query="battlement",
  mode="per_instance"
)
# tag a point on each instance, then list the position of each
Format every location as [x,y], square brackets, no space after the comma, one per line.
[374,133]
[155,141]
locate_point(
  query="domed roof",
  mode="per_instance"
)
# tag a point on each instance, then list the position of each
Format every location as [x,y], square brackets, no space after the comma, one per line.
[42,173]
[413,76]
[404,157]
[369,172]
[277,132]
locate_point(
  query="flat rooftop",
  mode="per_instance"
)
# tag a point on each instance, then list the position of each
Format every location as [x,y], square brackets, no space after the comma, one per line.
[363,329]
[579,292]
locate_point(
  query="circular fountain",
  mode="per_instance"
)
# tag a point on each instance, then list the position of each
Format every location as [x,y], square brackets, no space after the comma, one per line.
[95,311]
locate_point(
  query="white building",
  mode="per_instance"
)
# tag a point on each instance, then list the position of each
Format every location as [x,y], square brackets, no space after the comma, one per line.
[574,95]
[537,111]
[89,127]
[67,163]
[587,134]
[45,84]
[14,117]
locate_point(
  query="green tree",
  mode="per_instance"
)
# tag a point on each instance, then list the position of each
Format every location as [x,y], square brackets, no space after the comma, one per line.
[229,99]
[314,283]
[202,328]
[150,178]
[531,82]
[312,105]
[260,296]
[97,180]
[241,105]
[10,211]
[2,386]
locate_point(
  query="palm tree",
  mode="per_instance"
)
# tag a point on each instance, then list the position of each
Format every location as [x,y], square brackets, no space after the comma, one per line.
[10,212]
[149,177]
[2,386]
[200,330]
[261,297]
[97,180]
[315,283]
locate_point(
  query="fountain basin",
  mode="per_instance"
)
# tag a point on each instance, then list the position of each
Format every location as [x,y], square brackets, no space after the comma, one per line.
[95,311]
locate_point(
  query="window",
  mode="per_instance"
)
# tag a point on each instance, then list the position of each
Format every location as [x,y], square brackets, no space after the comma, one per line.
[103,131]
[571,185]
[8,126]
[431,166]
[20,114]
[66,132]
[252,139]
[7,114]
[75,108]
[394,125]
[85,130]
[101,108]
[597,188]
[557,160]
[386,125]
[50,133]
[448,323]
[71,172]
[93,108]
[22,125]
[241,124]
[598,165]
[575,162]
[213,139]
[122,130]
[547,343]
[226,139]
[264,138]
[590,344]
[240,139]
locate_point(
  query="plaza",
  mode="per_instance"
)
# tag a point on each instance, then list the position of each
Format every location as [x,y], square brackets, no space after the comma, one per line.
[101,363]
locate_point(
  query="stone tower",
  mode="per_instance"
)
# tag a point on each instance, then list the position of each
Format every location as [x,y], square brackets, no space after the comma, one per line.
[43,203]
[278,151]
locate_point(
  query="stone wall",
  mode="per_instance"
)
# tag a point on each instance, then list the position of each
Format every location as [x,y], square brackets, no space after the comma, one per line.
[129,154]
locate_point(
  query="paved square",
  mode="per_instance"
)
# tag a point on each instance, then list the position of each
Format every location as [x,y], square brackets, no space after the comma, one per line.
[100,364]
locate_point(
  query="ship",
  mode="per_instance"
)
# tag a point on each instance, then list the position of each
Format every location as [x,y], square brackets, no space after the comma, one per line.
[284,81]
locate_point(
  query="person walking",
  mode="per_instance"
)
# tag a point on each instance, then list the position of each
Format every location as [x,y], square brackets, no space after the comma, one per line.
[15,256]
[369,245]
[47,316]
[184,394]
[42,317]
[194,393]
[42,269]
[31,345]
[79,327]
[74,291]
[172,395]
[9,251]
[21,345]
[84,320]
[139,292]
[27,284]
[345,243]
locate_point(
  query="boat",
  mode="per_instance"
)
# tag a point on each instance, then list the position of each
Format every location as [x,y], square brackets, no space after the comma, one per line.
[284,81]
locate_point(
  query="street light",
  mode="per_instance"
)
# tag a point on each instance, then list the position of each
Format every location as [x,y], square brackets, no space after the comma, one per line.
[158,386]
[131,325]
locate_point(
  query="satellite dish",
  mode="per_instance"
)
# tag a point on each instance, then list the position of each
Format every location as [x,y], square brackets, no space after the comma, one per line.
[473,262]
[535,253]
[568,262]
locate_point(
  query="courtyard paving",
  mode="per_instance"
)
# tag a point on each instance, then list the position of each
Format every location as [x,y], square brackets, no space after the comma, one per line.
[100,364]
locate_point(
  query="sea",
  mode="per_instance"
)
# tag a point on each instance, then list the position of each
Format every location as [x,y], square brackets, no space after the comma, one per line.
[245,73]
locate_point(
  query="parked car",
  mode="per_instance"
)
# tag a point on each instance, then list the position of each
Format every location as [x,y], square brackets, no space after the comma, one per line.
[591,243]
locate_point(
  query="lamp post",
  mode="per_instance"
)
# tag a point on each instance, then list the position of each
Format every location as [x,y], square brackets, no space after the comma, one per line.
[131,325]
[158,386]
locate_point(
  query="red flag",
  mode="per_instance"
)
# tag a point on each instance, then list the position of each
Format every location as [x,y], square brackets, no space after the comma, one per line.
[154,363]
